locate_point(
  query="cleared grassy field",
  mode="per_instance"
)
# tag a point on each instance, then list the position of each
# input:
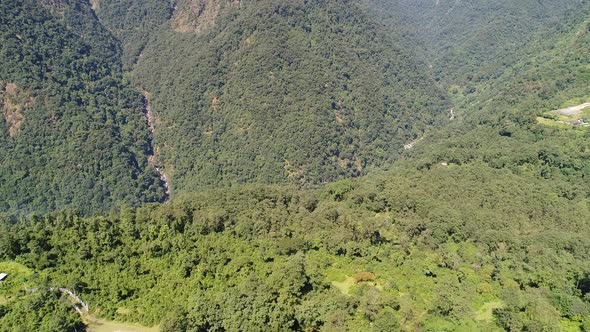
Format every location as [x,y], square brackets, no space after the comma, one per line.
[486,312]
[573,116]
[17,279]
[99,325]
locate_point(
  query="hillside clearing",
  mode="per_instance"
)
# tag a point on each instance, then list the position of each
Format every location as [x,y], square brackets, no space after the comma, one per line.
[100,325]
[572,110]
[486,312]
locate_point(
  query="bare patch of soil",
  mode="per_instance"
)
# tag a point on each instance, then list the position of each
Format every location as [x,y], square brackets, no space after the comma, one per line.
[572,110]
[13,102]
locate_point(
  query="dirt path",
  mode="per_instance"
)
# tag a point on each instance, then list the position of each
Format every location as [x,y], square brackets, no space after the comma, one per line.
[147,111]
[94,323]
[80,306]
[572,110]
[102,325]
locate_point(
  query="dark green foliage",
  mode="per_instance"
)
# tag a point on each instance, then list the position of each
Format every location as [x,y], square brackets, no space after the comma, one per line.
[43,311]
[82,141]
[132,22]
[279,92]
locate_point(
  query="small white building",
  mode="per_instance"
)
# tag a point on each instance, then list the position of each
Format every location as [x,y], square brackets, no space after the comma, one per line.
[3,276]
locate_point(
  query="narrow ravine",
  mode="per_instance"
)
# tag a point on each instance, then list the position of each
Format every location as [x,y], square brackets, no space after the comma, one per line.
[147,111]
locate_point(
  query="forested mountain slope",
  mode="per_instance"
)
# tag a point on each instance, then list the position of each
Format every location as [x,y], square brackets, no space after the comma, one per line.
[481,226]
[478,40]
[505,119]
[132,22]
[72,132]
[508,121]
[275,91]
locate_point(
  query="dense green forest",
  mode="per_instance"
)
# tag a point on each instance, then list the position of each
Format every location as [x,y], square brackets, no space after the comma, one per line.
[282,92]
[478,40]
[132,22]
[294,205]
[451,248]
[72,131]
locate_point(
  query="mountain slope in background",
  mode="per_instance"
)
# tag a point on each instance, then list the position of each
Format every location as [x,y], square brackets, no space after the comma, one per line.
[509,121]
[132,22]
[275,92]
[477,40]
[72,133]
[505,119]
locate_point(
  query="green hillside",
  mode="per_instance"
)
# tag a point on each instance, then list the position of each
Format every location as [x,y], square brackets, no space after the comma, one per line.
[510,121]
[471,41]
[451,248]
[277,92]
[132,22]
[72,132]
[280,126]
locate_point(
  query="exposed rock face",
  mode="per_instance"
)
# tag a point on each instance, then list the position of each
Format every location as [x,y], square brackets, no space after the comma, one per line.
[95,4]
[13,101]
[198,15]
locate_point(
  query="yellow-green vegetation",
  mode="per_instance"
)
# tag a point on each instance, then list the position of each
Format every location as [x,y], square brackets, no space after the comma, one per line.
[583,114]
[123,311]
[27,304]
[563,122]
[15,270]
[569,116]
[345,285]
[450,258]
[569,326]
[486,312]
[101,325]
[552,122]
[18,280]
[578,100]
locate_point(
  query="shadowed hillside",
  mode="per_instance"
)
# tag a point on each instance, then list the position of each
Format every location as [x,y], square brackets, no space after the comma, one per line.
[72,132]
